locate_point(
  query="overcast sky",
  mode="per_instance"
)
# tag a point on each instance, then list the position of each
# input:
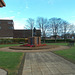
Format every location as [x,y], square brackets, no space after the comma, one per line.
[21,10]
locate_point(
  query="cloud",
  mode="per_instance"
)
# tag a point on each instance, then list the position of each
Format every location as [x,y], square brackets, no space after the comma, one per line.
[50,1]
[26,4]
[53,1]
[18,13]
[72,22]
[11,11]
[27,7]
[72,16]
[12,17]
[24,19]
[18,25]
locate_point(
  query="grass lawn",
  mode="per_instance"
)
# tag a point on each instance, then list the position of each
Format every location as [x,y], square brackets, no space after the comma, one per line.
[10,61]
[68,54]
[8,45]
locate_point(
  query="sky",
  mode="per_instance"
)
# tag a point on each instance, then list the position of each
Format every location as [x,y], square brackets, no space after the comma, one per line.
[20,10]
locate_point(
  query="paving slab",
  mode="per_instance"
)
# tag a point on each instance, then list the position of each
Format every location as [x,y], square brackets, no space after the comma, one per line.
[3,72]
[47,63]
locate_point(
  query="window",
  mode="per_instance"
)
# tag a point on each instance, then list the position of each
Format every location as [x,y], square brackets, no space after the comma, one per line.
[10,22]
[0,27]
[0,22]
[11,27]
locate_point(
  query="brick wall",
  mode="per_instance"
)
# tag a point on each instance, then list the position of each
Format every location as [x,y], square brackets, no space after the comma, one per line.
[6,28]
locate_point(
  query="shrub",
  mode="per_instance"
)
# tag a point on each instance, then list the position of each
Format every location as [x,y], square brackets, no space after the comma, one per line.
[58,40]
[14,40]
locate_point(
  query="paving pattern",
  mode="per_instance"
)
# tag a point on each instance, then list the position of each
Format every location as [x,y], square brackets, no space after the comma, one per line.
[47,63]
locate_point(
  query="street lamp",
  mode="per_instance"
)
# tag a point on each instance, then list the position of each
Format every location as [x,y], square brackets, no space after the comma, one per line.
[30,28]
[24,31]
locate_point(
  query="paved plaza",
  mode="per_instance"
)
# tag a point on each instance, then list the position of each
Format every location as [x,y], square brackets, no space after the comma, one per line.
[47,63]
[43,63]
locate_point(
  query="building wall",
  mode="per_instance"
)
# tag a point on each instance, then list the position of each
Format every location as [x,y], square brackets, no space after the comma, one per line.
[6,28]
[25,33]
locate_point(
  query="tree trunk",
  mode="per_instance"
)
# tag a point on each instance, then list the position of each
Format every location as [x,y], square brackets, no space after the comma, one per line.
[55,38]
[65,38]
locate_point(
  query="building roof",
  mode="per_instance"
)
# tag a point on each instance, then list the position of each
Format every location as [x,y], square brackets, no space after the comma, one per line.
[2,3]
[5,19]
[2,20]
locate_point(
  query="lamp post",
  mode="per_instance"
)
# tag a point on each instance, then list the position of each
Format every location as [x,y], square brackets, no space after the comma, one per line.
[32,27]
[32,32]
[24,31]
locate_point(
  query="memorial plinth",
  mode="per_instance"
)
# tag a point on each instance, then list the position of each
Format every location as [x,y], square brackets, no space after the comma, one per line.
[34,41]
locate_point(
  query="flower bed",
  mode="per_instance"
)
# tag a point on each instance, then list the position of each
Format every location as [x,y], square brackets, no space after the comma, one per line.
[28,45]
[41,45]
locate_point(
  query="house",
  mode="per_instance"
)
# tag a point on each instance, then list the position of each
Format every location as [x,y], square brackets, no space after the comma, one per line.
[57,37]
[7,30]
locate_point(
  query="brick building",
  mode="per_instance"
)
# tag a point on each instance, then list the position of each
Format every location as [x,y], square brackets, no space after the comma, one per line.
[25,33]
[7,30]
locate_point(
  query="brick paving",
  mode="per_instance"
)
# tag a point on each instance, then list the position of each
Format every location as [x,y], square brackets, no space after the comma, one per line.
[47,63]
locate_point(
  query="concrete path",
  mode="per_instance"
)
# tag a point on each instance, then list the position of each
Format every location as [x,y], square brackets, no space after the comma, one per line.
[3,72]
[47,63]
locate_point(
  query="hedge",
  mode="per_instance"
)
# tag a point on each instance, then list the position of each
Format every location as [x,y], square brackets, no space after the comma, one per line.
[25,40]
[14,40]
[58,40]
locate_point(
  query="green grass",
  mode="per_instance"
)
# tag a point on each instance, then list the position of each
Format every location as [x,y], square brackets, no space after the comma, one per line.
[68,54]
[10,61]
[8,45]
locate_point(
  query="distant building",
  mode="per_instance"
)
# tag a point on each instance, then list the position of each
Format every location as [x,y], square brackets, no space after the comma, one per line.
[7,30]
[25,33]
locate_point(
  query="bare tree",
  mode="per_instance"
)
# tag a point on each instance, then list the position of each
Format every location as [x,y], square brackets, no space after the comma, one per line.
[65,29]
[43,25]
[55,23]
[71,31]
[30,22]
[71,28]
